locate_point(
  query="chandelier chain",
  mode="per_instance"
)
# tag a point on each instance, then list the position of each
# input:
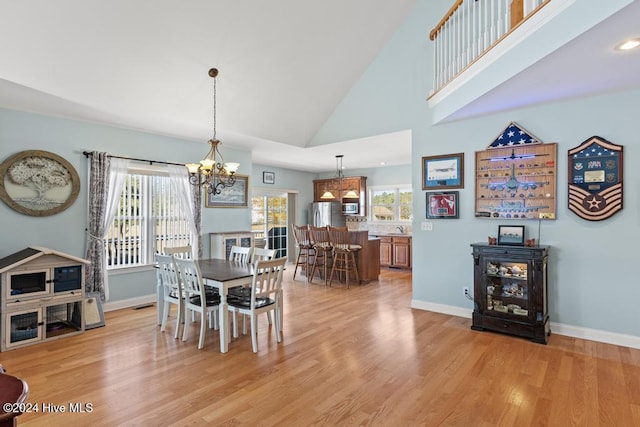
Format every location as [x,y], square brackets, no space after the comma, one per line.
[215,79]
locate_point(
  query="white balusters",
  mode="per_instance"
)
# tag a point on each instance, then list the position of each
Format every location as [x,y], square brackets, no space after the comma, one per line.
[474,27]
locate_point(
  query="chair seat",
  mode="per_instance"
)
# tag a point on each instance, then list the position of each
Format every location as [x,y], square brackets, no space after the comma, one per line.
[211,300]
[246,302]
[323,246]
[211,291]
[345,247]
[239,291]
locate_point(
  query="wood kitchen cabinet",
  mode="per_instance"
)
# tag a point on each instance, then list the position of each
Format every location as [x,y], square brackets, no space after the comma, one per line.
[356,183]
[395,251]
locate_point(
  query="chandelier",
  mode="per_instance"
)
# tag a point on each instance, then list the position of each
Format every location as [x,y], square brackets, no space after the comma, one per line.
[212,172]
[328,195]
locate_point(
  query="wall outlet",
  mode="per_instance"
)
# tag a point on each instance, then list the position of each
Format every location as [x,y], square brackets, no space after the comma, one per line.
[426,226]
[465,291]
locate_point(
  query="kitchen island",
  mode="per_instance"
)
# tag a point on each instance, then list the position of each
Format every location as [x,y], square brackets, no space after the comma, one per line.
[367,258]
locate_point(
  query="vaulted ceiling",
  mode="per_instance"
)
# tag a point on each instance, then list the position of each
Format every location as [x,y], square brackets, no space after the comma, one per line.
[284,67]
[284,64]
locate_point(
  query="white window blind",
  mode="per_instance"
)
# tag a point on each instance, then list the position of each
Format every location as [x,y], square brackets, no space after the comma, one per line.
[148,220]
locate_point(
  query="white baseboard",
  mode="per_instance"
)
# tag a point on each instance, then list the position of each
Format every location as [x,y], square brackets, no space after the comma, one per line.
[128,303]
[606,337]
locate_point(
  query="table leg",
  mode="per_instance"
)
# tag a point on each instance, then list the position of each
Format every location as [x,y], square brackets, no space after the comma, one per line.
[223,310]
[159,301]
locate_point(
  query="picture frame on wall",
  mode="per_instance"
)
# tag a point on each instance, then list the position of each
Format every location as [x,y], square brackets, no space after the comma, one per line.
[443,205]
[511,235]
[443,172]
[236,196]
[268,177]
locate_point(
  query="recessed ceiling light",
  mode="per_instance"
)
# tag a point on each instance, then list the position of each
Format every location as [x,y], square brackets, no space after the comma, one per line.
[629,44]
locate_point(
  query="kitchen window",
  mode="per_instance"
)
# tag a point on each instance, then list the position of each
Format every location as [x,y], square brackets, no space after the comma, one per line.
[390,204]
[149,219]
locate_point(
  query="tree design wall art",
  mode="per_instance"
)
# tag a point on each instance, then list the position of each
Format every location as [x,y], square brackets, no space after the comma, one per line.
[38,183]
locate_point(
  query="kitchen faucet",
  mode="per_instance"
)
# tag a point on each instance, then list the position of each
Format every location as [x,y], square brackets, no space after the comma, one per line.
[401,228]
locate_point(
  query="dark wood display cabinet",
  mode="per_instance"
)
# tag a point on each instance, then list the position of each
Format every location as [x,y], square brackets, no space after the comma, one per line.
[510,290]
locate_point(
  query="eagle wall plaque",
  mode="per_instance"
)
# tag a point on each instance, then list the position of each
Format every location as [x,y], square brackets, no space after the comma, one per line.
[595,179]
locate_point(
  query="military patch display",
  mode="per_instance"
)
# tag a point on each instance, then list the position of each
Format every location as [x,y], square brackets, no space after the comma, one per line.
[595,179]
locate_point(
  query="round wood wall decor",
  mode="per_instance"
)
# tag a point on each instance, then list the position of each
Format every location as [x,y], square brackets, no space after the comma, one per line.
[38,183]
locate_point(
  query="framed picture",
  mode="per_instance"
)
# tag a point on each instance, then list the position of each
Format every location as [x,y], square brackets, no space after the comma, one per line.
[512,235]
[443,172]
[231,197]
[38,183]
[268,177]
[442,204]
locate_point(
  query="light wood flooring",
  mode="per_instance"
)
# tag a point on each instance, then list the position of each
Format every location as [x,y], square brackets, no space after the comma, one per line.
[349,357]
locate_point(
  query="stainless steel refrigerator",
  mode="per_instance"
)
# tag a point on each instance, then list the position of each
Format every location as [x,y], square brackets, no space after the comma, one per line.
[326,213]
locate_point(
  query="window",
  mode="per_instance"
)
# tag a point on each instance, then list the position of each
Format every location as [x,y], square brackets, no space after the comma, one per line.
[269,221]
[391,204]
[148,220]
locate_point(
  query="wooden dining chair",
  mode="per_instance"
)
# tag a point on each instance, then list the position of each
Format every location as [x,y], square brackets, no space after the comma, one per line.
[240,254]
[344,254]
[179,251]
[258,254]
[319,237]
[305,248]
[185,252]
[171,290]
[265,296]
[196,298]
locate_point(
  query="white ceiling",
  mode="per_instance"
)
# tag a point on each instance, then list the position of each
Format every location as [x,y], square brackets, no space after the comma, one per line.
[284,67]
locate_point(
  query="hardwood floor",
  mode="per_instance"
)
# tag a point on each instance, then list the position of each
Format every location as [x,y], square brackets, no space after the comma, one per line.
[349,357]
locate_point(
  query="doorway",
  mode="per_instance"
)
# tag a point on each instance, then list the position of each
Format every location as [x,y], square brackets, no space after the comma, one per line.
[269,221]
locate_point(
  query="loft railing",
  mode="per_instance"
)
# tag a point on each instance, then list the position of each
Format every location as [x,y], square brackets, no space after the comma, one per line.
[472,27]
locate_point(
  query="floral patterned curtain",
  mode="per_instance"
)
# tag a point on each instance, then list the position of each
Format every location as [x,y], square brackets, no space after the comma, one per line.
[106,181]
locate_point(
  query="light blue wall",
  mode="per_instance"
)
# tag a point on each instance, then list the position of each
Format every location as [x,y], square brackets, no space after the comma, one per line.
[66,231]
[297,182]
[592,264]
[386,175]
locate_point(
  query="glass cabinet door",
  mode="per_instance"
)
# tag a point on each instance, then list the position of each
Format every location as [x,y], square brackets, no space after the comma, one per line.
[507,288]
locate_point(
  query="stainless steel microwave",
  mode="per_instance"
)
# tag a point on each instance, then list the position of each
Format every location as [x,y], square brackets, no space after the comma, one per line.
[350,208]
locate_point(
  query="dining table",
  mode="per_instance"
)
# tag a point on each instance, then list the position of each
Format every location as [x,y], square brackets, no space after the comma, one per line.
[220,274]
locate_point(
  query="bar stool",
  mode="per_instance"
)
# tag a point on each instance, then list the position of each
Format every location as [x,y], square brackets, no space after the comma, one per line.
[344,258]
[305,248]
[323,250]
